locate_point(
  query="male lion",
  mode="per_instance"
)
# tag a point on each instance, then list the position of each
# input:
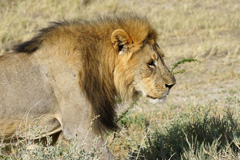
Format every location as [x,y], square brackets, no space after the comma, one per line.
[72,72]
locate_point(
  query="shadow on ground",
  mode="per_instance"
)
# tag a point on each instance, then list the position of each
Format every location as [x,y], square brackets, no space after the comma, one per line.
[190,136]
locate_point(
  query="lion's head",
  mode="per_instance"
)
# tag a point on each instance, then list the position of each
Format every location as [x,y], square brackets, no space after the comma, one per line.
[140,67]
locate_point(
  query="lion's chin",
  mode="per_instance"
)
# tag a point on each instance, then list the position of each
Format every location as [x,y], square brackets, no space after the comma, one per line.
[156,100]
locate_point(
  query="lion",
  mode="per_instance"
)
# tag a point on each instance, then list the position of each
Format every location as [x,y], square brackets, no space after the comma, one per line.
[70,74]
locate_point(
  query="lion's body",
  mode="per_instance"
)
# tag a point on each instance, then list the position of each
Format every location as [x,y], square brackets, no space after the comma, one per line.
[73,72]
[25,95]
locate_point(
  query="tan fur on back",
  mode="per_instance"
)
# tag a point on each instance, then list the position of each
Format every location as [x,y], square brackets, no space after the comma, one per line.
[72,72]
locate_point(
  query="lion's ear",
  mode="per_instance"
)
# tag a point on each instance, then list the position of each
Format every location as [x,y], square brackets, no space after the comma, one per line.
[120,40]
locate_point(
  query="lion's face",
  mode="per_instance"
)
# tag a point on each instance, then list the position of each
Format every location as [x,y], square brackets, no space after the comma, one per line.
[140,68]
[152,77]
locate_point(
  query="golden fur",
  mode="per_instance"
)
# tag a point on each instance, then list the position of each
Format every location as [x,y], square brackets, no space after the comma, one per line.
[77,69]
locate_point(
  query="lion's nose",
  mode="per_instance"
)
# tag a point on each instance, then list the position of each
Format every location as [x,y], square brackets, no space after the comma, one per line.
[169,86]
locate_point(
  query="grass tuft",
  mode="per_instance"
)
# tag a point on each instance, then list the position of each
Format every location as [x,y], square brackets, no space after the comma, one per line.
[198,134]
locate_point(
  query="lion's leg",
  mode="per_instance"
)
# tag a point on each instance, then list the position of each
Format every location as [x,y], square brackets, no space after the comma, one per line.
[76,123]
[75,114]
[87,145]
[86,139]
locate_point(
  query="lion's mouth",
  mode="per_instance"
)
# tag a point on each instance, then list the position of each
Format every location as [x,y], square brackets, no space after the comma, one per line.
[156,100]
[152,97]
[164,95]
[155,97]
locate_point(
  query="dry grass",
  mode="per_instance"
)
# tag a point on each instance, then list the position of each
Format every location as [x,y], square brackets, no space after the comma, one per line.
[206,30]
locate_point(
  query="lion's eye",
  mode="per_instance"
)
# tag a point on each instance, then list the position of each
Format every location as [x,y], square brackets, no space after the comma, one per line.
[151,63]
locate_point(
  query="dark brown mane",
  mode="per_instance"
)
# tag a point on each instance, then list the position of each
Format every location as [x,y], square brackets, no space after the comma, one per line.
[36,42]
[97,54]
